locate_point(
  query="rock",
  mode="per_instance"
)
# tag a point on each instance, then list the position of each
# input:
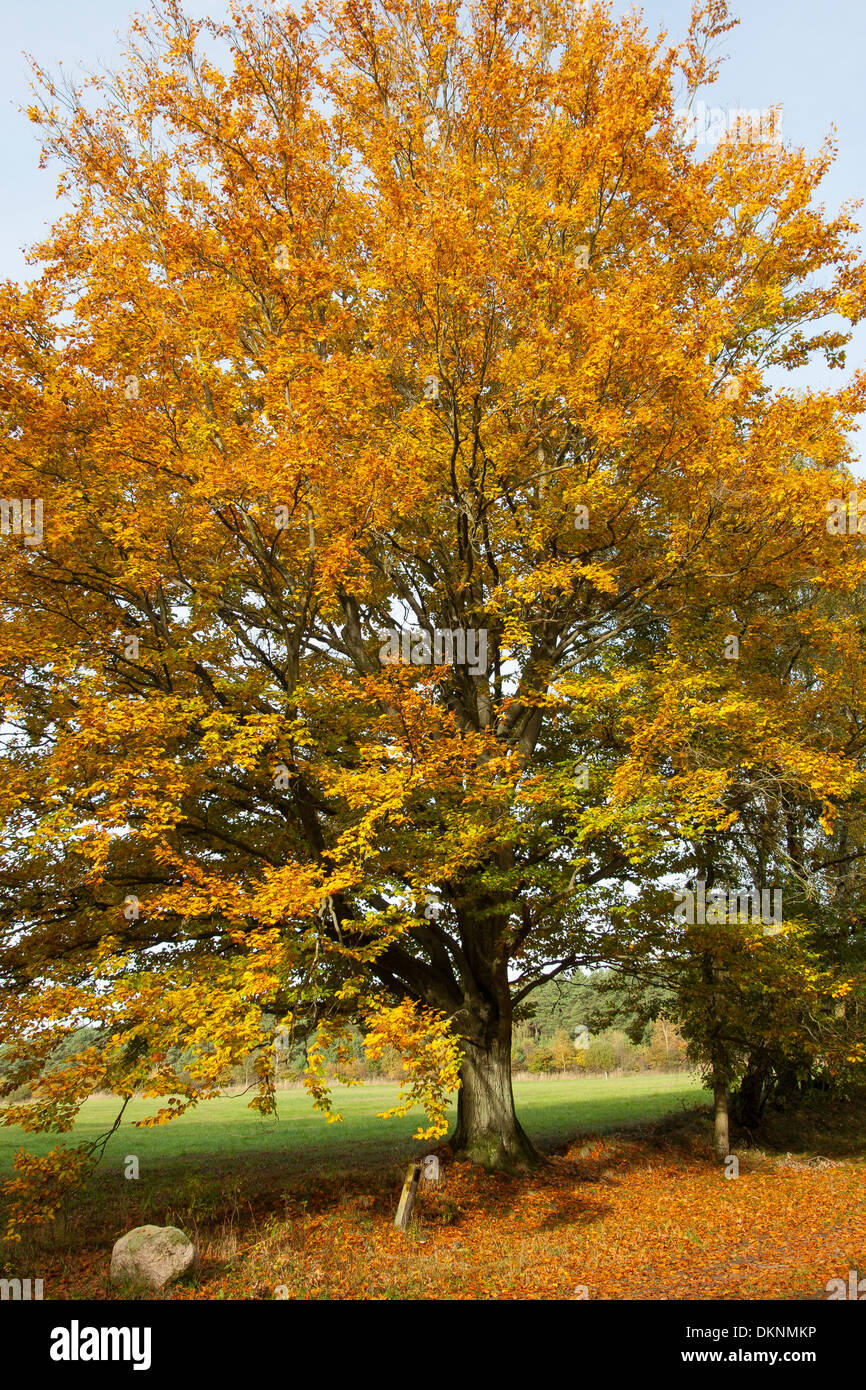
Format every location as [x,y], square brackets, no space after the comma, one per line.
[152,1256]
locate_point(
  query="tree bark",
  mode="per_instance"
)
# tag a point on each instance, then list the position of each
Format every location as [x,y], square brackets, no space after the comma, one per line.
[751,1094]
[488,1130]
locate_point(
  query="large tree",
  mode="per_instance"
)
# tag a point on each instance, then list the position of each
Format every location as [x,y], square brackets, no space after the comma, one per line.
[376,317]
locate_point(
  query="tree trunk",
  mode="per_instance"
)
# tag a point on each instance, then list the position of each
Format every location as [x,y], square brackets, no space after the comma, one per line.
[488,1130]
[751,1094]
[722,1140]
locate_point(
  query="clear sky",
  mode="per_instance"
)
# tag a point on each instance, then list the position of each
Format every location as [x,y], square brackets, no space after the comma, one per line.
[804,55]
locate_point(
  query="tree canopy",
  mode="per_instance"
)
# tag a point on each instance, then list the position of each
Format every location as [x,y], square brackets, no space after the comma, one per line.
[430,555]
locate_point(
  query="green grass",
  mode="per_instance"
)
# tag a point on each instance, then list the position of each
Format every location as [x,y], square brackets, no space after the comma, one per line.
[225,1135]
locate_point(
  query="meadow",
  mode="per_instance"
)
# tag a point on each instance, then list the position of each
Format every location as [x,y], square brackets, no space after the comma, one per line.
[224,1133]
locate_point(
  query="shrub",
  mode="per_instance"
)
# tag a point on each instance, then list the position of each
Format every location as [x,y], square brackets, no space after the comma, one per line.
[388,1065]
[542,1059]
[600,1056]
[564,1054]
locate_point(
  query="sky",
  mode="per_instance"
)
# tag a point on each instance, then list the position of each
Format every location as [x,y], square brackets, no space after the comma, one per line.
[805,56]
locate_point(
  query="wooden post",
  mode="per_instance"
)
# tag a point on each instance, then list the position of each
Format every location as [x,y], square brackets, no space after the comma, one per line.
[408,1195]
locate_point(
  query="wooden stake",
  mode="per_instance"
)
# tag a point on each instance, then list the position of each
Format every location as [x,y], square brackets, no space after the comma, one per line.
[408,1195]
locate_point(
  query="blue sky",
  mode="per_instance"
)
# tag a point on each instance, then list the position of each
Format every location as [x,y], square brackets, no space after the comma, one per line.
[802,55]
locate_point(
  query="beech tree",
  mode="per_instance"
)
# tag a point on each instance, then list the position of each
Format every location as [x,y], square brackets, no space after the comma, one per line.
[400,391]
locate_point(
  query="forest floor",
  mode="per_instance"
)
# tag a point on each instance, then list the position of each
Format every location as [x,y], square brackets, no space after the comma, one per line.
[638,1212]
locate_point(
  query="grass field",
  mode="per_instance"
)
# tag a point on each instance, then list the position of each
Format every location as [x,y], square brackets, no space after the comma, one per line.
[225,1134]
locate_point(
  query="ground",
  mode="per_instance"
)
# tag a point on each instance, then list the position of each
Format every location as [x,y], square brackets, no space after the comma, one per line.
[629,1206]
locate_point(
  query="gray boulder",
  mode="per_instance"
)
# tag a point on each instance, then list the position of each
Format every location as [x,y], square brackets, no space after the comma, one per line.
[152,1256]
